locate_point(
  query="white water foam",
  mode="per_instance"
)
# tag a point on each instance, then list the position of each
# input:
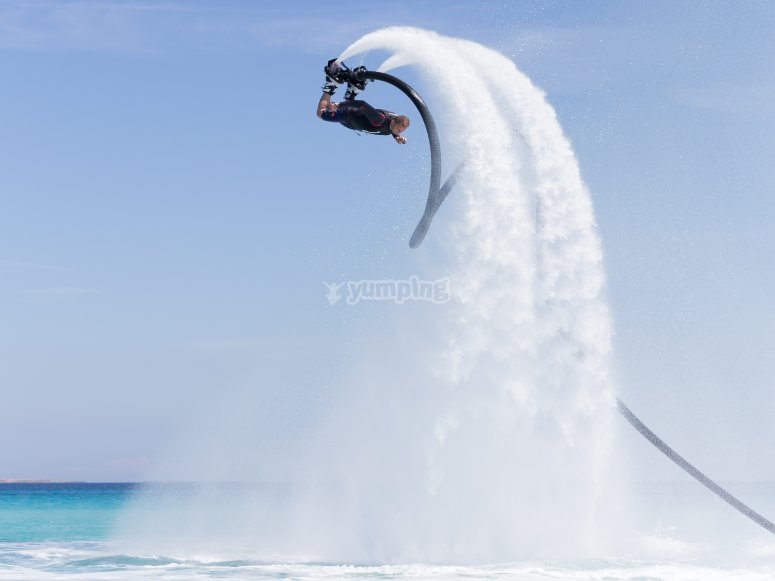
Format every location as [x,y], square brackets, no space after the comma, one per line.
[479,431]
[64,562]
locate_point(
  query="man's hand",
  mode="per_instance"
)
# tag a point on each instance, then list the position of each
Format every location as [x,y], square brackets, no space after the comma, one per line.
[400,139]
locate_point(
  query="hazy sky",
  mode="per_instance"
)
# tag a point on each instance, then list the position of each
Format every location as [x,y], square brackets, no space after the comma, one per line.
[170,208]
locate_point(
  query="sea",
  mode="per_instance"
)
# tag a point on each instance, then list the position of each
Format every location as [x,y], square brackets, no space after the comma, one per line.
[68,531]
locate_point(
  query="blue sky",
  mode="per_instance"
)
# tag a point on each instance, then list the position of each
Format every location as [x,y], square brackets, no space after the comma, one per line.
[171,207]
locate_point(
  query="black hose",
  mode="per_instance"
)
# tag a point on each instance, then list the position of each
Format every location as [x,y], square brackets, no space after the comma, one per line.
[434,192]
[685,465]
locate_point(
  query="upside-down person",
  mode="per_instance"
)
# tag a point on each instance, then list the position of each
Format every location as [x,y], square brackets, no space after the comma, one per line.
[356,114]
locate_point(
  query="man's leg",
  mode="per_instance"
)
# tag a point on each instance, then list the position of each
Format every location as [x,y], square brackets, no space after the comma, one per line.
[363,109]
[356,84]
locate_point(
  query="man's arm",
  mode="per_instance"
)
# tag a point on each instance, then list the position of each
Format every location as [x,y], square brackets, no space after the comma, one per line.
[325,104]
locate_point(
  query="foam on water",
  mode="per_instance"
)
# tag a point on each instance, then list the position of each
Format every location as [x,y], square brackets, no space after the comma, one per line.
[64,562]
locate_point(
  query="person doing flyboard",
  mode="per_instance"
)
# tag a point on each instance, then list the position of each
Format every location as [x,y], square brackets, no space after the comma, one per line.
[353,113]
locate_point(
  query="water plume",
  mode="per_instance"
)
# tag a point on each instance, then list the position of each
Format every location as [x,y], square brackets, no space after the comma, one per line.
[480,430]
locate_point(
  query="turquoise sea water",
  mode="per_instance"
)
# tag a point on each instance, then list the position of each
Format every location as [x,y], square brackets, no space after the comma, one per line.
[68,531]
[39,512]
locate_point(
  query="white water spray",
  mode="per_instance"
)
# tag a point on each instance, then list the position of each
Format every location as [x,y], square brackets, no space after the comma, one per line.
[521,367]
[480,430]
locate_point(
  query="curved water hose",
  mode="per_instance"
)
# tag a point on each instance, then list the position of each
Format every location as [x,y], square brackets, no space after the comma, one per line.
[685,465]
[436,194]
